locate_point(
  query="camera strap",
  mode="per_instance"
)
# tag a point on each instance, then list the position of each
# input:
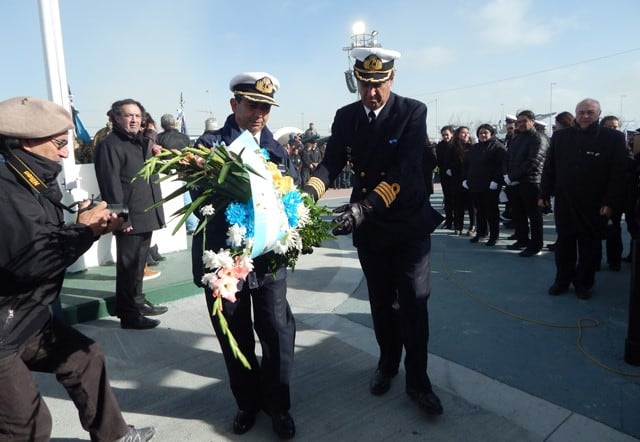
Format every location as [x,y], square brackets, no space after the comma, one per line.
[35,183]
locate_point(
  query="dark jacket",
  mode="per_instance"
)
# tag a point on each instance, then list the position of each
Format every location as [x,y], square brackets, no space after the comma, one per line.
[455,162]
[428,165]
[173,139]
[118,158]
[388,169]
[442,150]
[483,164]
[216,231]
[37,247]
[525,157]
[585,170]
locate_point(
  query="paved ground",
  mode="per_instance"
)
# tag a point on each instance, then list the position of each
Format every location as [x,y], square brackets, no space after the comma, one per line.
[506,358]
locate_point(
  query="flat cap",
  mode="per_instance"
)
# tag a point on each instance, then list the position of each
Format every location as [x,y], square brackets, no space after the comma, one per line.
[255,86]
[33,118]
[373,65]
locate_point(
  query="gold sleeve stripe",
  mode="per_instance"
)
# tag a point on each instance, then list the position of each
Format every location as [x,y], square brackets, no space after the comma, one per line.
[317,185]
[387,192]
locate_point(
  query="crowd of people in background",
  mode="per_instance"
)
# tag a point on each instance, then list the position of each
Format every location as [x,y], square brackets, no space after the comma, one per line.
[525,171]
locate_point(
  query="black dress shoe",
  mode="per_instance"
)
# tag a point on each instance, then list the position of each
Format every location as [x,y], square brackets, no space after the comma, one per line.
[148,309]
[380,383]
[139,323]
[518,245]
[492,242]
[627,258]
[528,253]
[427,400]
[244,421]
[283,425]
[583,293]
[557,289]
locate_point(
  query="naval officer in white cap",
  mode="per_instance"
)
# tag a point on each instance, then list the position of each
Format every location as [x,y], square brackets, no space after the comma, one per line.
[266,384]
[383,135]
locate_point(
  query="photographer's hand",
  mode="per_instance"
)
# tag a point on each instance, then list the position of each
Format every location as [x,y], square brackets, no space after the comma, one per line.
[98,218]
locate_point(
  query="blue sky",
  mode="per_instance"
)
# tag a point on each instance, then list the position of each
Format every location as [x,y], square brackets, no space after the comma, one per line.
[470,61]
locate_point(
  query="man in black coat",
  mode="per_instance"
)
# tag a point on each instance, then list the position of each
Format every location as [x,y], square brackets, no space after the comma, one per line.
[171,138]
[37,247]
[384,135]
[585,170]
[266,384]
[118,158]
[523,164]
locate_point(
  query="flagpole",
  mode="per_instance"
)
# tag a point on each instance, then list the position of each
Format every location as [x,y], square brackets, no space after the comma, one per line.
[57,83]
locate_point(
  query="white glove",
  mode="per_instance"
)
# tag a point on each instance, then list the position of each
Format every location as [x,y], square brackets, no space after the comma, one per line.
[493,185]
[507,181]
[465,185]
[448,172]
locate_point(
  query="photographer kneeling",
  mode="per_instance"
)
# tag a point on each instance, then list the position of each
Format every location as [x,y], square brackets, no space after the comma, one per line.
[37,247]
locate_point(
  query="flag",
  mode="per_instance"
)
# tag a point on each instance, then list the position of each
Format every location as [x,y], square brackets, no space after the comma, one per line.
[80,130]
[180,116]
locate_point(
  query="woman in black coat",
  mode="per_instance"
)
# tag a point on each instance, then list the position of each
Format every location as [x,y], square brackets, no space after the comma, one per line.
[483,173]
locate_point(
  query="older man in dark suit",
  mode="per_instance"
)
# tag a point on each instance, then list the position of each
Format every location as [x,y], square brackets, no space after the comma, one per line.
[384,135]
[118,159]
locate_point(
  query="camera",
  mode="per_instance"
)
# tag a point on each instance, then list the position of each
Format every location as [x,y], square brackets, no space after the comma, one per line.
[119,209]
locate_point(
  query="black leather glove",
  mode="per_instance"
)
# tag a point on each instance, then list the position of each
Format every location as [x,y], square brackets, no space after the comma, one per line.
[351,216]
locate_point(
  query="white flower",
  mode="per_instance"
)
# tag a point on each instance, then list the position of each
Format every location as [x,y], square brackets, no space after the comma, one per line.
[303,215]
[245,260]
[235,235]
[293,239]
[207,210]
[248,243]
[213,260]
[280,247]
[208,278]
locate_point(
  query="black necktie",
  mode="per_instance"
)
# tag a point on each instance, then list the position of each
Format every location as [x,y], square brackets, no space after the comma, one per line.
[372,117]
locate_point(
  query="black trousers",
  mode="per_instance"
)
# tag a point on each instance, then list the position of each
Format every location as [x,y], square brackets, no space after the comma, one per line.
[399,283]
[487,213]
[447,198]
[266,384]
[461,203]
[78,363]
[577,256]
[132,250]
[527,215]
[613,237]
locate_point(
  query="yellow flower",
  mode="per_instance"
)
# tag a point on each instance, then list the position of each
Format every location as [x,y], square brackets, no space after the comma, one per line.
[284,184]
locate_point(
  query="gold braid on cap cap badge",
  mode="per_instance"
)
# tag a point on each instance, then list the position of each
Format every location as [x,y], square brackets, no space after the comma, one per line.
[264,85]
[372,63]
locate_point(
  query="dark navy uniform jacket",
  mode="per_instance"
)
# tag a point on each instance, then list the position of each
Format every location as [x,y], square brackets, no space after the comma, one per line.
[387,162]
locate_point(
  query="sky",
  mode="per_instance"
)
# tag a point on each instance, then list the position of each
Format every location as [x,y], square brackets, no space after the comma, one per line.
[470,61]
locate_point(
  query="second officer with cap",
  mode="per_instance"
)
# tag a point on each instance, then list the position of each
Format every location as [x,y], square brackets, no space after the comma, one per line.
[266,384]
[383,135]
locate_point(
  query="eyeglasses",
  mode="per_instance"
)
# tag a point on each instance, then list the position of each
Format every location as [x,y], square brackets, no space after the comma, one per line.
[59,142]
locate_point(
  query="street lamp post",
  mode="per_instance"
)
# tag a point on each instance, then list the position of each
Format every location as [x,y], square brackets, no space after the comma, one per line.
[551,85]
